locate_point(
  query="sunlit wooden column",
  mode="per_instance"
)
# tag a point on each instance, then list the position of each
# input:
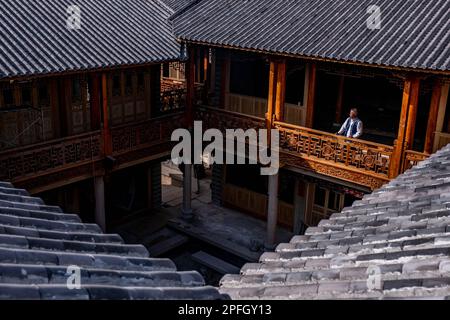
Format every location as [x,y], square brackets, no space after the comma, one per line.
[280,90]
[406,126]
[412,114]
[99,191]
[394,166]
[271,99]
[432,117]
[272,211]
[312,70]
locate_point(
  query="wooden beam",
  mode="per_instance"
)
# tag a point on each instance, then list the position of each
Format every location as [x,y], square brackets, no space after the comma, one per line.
[281,91]
[432,117]
[311,96]
[106,131]
[412,114]
[340,100]
[395,161]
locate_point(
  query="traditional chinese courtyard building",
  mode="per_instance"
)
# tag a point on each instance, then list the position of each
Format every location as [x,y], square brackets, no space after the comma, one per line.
[82,114]
[300,67]
[90,95]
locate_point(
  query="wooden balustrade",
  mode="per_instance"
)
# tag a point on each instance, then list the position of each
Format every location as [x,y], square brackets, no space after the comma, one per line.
[354,160]
[143,134]
[355,153]
[54,155]
[411,158]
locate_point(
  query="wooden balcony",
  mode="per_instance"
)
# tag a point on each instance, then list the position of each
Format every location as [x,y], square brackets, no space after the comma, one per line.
[60,162]
[353,160]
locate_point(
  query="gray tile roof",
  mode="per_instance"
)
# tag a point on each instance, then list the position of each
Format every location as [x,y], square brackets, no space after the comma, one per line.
[176,5]
[394,243]
[34,38]
[413,34]
[39,242]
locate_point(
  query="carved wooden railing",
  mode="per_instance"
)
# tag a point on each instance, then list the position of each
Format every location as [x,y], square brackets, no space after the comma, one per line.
[173,99]
[411,158]
[358,161]
[147,133]
[50,156]
[354,153]
[224,119]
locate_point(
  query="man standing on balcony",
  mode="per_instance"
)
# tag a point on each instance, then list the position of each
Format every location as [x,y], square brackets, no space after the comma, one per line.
[353,126]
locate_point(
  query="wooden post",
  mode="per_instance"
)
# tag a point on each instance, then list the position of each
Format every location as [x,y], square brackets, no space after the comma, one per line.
[340,100]
[412,114]
[272,211]
[309,197]
[311,95]
[432,117]
[54,105]
[106,131]
[225,80]
[396,158]
[281,91]
[190,95]
[442,107]
[272,95]
[205,65]
[95,102]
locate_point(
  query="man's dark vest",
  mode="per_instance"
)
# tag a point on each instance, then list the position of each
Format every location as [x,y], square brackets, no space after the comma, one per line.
[354,127]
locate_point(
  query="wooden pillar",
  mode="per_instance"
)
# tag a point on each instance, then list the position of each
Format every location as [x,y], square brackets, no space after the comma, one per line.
[311,95]
[96,104]
[106,131]
[432,117]
[272,95]
[190,95]
[280,90]
[272,211]
[55,105]
[310,198]
[340,100]
[99,191]
[225,80]
[412,114]
[396,158]
[442,107]
[441,113]
[205,65]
